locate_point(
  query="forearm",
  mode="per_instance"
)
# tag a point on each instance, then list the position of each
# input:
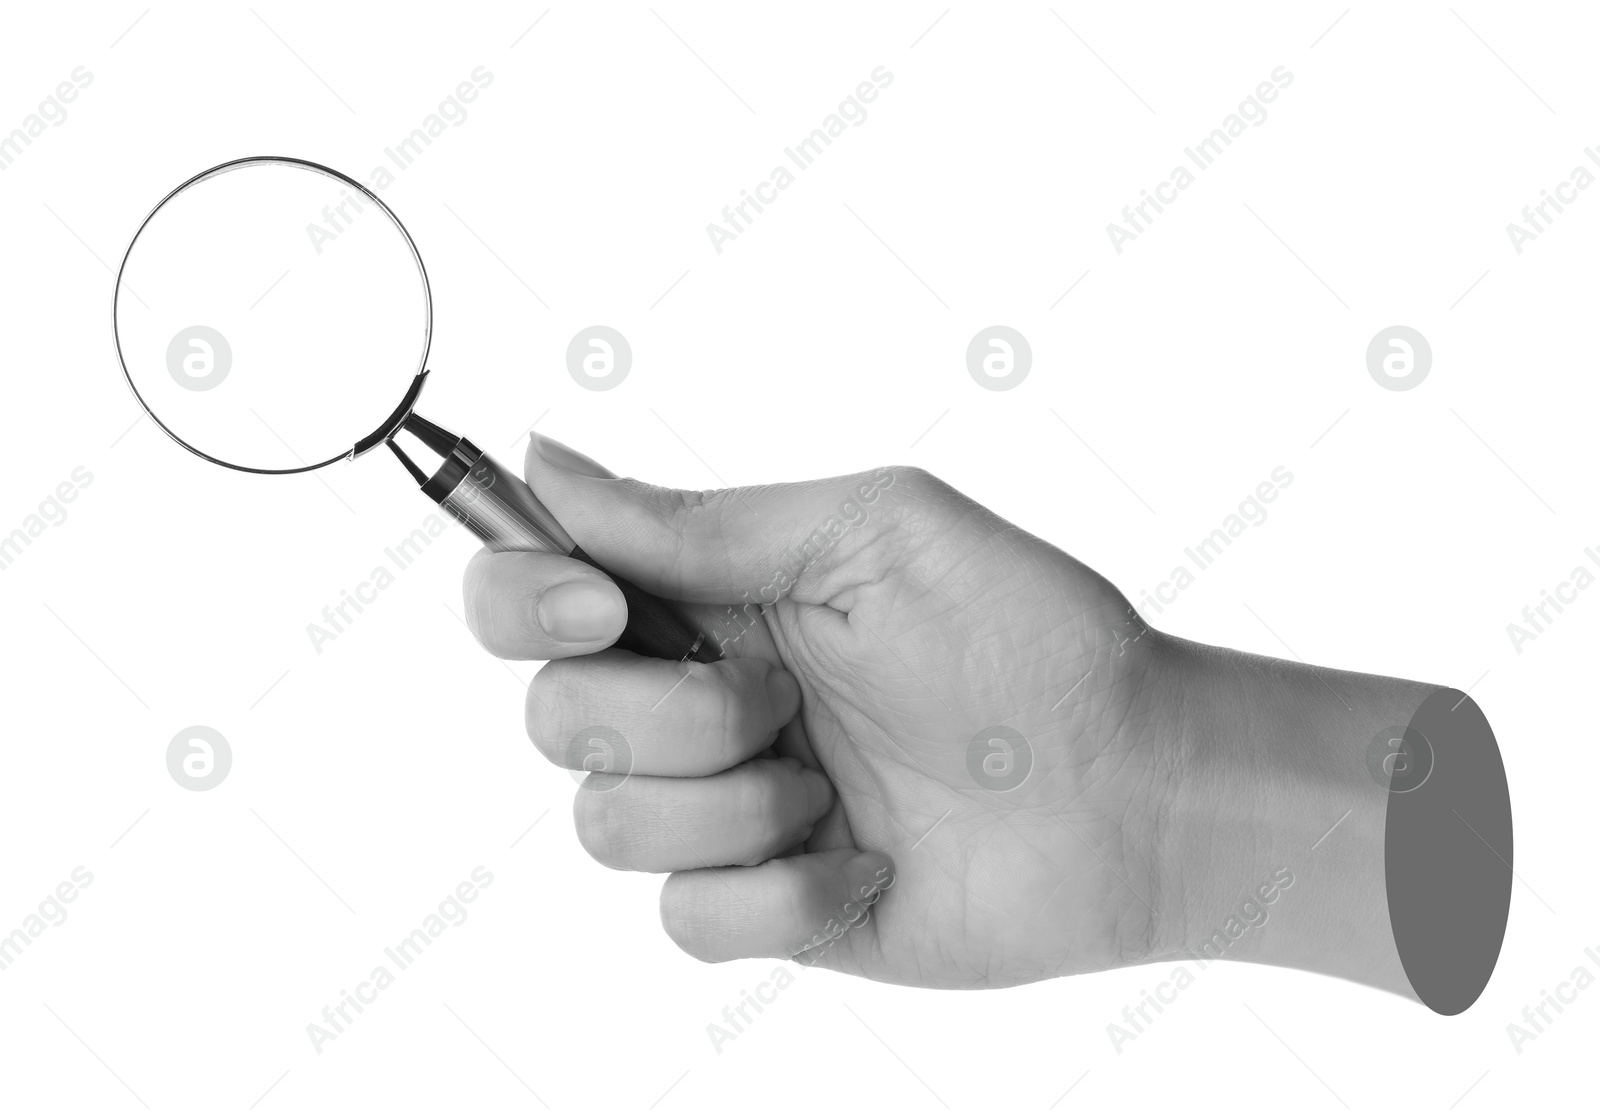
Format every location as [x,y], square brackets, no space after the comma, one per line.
[1277,775]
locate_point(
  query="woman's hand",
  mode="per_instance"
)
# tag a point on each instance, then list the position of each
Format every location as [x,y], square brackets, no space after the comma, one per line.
[926,711]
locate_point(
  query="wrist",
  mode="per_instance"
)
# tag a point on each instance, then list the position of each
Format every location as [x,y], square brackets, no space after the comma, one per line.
[1271,838]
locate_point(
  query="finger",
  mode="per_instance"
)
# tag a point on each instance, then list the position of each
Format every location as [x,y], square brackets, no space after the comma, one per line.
[781,908]
[754,544]
[740,817]
[676,718]
[539,606]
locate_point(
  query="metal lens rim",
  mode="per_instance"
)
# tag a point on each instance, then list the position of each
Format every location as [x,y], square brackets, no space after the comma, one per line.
[391,423]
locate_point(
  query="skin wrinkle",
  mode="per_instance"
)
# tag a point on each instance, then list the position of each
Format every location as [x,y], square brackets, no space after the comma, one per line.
[534,713]
[1045,853]
[1135,904]
[801,589]
[1162,778]
[1147,924]
[861,545]
[793,903]
[701,924]
[1117,883]
[884,734]
[1184,900]
[968,890]
[693,503]
[997,964]
[607,825]
[793,646]
[730,715]
[764,803]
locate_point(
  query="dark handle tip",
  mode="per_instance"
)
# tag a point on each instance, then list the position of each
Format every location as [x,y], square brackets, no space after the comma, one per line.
[655,628]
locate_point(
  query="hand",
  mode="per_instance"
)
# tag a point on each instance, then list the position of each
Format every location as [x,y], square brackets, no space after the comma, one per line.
[925,710]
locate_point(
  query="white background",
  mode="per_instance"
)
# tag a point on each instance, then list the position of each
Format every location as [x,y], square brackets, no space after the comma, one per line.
[1227,340]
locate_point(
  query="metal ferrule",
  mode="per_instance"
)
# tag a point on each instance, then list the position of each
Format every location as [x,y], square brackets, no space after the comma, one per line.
[499,507]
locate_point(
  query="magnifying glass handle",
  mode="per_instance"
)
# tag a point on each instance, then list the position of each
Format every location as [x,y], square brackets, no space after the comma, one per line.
[503,511]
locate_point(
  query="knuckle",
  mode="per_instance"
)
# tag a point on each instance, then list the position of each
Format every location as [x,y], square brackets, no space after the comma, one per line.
[494,612]
[592,830]
[673,507]
[916,480]
[690,502]
[762,809]
[477,602]
[694,512]
[681,918]
[734,707]
[764,798]
[548,696]
[923,504]
[720,717]
[605,827]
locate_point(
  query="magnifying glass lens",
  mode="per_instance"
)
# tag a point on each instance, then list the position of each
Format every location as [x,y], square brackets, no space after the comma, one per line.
[270,316]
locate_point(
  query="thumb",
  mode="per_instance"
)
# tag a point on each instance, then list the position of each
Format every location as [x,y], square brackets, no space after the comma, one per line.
[743,544]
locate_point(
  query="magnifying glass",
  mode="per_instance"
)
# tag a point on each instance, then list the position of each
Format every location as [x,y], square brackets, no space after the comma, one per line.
[273,316]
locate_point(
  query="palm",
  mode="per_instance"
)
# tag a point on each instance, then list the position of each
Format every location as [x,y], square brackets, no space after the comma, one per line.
[934,652]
